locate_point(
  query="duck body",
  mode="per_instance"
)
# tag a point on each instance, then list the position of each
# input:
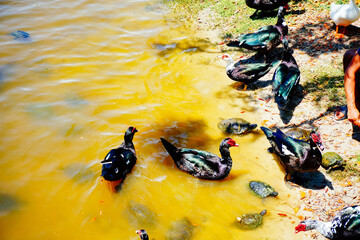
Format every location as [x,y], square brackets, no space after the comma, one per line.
[286,76]
[120,161]
[263,40]
[202,164]
[246,72]
[344,226]
[295,155]
[344,14]
[265,4]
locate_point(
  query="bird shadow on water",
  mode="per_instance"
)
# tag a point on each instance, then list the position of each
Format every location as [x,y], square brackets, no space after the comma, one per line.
[190,133]
[312,180]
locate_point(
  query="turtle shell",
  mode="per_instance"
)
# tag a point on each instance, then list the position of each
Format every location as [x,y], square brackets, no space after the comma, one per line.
[262,189]
[298,133]
[236,126]
[250,220]
[332,160]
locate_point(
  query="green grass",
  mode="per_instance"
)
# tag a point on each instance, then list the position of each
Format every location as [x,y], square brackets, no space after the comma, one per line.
[325,83]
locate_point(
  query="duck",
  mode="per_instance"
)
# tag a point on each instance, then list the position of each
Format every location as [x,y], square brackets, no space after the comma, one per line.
[120,161]
[286,76]
[202,164]
[265,5]
[246,72]
[143,234]
[344,226]
[344,14]
[263,40]
[295,155]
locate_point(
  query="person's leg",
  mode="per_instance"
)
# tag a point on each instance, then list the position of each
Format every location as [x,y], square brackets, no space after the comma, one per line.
[356,129]
[341,112]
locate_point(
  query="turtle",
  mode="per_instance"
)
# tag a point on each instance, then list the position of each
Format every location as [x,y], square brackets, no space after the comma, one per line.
[236,126]
[20,35]
[298,133]
[332,160]
[262,189]
[251,220]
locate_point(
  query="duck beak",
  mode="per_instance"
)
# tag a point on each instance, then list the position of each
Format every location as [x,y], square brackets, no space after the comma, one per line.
[236,145]
[134,130]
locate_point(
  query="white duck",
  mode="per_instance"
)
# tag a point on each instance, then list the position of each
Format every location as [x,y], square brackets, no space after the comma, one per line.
[344,14]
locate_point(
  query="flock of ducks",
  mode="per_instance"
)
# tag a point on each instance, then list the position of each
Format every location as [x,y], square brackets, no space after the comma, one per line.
[296,155]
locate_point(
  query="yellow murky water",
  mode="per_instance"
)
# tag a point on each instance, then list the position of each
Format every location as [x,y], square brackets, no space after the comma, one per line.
[90,70]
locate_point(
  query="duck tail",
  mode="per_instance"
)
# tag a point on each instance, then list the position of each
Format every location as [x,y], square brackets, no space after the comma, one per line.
[171,149]
[267,131]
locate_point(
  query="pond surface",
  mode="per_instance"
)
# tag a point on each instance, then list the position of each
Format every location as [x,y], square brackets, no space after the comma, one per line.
[69,90]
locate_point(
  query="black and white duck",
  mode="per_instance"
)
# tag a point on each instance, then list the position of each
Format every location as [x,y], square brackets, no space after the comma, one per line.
[246,72]
[143,234]
[202,164]
[266,5]
[286,76]
[295,155]
[263,40]
[120,161]
[344,226]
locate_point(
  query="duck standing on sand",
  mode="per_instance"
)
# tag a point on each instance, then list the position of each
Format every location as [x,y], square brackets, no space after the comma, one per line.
[263,40]
[295,155]
[344,14]
[202,164]
[286,76]
[344,226]
[120,161]
[246,72]
[265,5]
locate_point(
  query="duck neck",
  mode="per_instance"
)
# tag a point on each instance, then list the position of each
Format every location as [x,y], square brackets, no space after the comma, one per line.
[229,64]
[128,140]
[225,154]
[282,26]
[325,228]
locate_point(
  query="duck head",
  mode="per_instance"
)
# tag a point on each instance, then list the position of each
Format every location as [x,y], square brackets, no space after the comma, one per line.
[228,142]
[143,234]
[306,225]
[301,227]
[228,59]
[129,134]
[316,139]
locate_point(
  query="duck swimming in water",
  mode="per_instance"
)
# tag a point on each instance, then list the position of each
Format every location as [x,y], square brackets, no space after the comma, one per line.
[120,161]
[202,164]
[143,234]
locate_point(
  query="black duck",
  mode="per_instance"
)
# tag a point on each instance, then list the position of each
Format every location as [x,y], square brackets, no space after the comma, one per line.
[246,72]
[263,40]
[120,161]
[295,155]
[286,76]
[202,164]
